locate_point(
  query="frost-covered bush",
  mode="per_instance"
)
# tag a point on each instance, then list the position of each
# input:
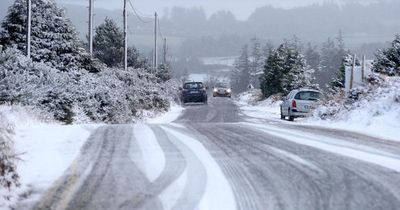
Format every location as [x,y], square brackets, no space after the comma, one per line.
[9,178]
[112,95]
[379,99]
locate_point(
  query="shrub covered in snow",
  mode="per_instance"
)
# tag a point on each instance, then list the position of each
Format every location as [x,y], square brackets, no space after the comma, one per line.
[9,178]
[373,104]
[111,96]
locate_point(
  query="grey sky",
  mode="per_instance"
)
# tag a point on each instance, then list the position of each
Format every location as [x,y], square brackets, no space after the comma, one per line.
[241,8]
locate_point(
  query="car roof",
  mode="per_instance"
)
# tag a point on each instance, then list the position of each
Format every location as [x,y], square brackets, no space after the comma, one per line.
[193,82]
[308,89]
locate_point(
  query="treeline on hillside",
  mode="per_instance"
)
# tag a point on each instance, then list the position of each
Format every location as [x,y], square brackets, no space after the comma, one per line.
[360,22]
[63,80]
[290,65]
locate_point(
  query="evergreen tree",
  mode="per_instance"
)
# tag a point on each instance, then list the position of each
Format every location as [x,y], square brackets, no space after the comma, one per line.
[273,72]
[285,70]
[241,75]
[108,43]
[54,39]
[312,56]
[108,47]
[256,62]
[332,54]
[388,60]
[268,49]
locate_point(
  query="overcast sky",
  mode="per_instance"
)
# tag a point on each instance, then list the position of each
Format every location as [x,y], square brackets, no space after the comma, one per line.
[241,8]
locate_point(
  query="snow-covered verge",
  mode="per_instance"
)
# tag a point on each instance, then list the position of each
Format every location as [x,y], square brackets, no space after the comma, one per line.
[39,151]
[9,179]
[373,109]
[110,96]
[252,104]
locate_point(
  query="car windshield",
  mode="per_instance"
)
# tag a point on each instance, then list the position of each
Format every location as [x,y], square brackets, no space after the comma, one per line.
[193,85]
[308,95]
[221,85]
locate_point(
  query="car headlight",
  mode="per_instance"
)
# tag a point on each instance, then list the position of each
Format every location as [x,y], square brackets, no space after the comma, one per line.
[229,91]
[215,90]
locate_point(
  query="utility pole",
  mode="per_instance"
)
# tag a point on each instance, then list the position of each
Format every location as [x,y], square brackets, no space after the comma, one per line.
[125,37]
[90,27]
[155,40]
[363,69]
[165,51]
[353,67]
[28,28]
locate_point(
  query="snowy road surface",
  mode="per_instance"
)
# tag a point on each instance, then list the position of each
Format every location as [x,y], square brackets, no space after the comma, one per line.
[215,158]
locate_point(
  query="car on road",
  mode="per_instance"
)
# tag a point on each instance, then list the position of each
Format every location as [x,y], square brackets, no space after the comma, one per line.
[299,103]
[194,92]
[222,90]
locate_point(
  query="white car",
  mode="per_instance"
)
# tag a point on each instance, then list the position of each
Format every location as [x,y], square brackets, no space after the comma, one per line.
[299,103]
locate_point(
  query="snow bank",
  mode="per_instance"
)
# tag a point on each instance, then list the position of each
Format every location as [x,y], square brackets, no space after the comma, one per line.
[252,105]
[45,150]
[374,110]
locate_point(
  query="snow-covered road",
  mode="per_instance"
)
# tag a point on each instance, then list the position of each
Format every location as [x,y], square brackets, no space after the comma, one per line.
[212,157]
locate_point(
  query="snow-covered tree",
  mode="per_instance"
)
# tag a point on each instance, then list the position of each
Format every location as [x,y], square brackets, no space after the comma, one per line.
[108,43]
[388,60]
[108,46]
[313,57]
[285,70]
[241,75]
[333,53]
[54,39]
[256,62]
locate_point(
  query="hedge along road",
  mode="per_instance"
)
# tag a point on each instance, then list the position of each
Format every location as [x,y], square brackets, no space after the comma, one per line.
[213,157]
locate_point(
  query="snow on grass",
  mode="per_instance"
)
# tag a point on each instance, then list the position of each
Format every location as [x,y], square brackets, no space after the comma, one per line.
[152,158]
[45,149]
[376,113]
[250,104]
[218,193]
[359,152]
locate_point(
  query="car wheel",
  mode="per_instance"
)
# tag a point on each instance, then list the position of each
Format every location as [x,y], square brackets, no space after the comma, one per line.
[291,118]
[282,116]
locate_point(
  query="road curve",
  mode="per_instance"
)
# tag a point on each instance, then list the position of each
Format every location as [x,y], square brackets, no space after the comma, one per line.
[262,170]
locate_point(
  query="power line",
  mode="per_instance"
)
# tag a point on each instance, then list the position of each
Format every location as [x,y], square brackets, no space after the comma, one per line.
[141,19]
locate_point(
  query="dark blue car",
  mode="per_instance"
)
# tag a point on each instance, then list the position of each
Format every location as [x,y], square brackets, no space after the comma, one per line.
[194,92]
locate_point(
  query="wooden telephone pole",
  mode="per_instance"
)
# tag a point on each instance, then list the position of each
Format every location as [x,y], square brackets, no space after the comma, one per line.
[125,37]
[28,28]
[90,32]
[155,40]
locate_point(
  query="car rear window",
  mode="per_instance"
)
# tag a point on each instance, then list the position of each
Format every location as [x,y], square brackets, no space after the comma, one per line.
[193,86]
[308,95]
